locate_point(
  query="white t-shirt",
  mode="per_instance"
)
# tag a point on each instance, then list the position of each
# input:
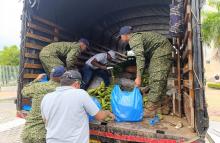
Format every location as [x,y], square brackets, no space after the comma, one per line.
[101,58]
[65,111]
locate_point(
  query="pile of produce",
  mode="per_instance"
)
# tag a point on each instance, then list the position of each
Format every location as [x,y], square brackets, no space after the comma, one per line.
[103,94]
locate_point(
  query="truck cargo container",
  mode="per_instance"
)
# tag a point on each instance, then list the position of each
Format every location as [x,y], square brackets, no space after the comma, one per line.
[47,21]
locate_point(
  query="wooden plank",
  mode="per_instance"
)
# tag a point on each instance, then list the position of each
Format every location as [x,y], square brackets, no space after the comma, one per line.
[187,83]
[187,14]
[185,53]
[185,4]
[31,55]
[54,33]
[179,102]
[41,29]
[33,66]
[105,48]
[33,46]
[187,107]
[30,76]
[186,68]
[38,37]
[187,34]
[42,20]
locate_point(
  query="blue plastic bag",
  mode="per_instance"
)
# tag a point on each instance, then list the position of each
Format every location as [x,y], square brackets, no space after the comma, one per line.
[44,79]
[96,101]
[127,106]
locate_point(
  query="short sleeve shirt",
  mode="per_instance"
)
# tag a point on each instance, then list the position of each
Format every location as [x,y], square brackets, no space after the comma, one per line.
[101,58]
[65,111]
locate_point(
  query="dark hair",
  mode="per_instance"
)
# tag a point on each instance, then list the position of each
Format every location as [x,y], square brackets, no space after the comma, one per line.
[66,81]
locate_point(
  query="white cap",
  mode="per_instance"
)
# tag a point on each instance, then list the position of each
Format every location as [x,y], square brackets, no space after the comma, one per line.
[112,54]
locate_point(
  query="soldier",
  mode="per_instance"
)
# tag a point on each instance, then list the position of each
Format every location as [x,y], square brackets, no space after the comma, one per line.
[55,53]
[154,51]
[34,130]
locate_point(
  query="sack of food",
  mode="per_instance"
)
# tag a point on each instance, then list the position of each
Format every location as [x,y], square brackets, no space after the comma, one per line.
[127,106]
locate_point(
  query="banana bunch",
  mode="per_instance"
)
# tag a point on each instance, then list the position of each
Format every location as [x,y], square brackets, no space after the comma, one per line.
[103,94]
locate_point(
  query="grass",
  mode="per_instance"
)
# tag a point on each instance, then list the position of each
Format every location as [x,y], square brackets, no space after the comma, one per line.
[214,85]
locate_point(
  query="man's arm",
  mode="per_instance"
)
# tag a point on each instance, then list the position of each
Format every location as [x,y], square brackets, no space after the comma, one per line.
[103,114]
[95,63]
[30,89]
[93,110]
[72,57]
[136,43]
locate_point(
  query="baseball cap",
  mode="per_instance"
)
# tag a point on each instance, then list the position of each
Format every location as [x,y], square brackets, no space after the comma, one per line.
[85,41]
[125,30]
[72,75]
[112,54]
[57,71]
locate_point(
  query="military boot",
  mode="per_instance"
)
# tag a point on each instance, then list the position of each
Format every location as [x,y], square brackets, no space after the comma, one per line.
[152,109]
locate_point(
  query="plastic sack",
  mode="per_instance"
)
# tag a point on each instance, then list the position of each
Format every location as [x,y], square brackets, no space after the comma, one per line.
[127,106]
[44,79]
[96,101]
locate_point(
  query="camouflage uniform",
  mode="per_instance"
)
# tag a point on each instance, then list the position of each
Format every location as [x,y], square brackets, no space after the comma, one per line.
[53,55]
[34,130]
[154,51]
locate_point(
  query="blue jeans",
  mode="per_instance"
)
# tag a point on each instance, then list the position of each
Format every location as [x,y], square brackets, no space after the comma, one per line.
[88,73]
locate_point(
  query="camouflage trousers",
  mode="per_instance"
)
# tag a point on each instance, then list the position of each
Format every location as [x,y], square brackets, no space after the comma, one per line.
[49,62]
[158,69]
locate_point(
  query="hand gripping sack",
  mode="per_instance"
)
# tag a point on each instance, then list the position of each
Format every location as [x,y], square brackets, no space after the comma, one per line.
[127,106]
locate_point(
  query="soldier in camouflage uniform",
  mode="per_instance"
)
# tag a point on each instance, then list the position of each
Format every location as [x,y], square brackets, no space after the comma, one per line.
[155,51]
[34,130]
[62,53]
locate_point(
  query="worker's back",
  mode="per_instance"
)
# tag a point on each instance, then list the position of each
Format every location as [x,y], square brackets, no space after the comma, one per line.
[65,114]
[59,49]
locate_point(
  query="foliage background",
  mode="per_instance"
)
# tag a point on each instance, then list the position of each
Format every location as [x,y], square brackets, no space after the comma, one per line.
[10,56]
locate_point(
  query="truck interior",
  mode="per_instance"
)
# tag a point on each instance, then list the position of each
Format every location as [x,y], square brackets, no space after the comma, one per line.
[47,21]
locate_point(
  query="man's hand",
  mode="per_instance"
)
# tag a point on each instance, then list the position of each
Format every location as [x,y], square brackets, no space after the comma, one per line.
[104,68]
[138,81]
[95,63]
[41,76]
[109,114]
[102,115]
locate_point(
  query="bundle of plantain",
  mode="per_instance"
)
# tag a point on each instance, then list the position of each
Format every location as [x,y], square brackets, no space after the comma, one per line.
[103,94]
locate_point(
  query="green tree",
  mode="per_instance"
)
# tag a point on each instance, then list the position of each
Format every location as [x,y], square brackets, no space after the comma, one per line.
[10,56]
[211,24]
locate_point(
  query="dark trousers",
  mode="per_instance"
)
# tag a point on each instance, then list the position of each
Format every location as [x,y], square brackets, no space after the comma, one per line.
[88,73]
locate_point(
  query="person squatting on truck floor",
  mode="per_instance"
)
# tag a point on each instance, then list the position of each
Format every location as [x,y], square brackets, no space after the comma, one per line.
[154,50]
[53,54]
[34,130]
[97,65]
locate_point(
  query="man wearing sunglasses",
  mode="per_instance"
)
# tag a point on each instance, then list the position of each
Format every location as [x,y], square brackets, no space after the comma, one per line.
[65,111]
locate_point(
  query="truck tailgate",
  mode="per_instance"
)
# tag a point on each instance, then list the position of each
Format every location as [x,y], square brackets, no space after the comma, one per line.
[142,131]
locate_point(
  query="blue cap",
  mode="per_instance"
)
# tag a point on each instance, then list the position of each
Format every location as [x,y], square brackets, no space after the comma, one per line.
[85,41]
[57,71]
[125,30]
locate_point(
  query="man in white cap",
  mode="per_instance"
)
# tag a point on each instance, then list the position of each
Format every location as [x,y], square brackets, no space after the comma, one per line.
[97,65]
